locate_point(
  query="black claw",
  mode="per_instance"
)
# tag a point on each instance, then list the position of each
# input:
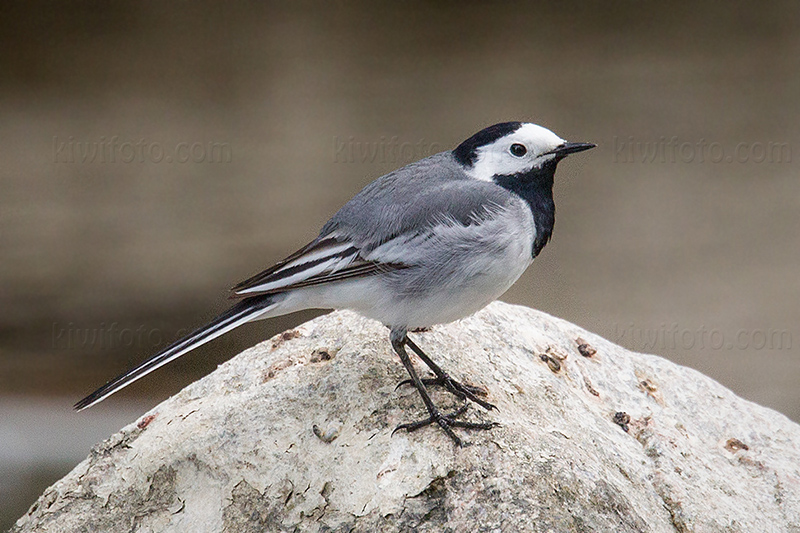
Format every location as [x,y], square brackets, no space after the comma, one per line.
[405,382]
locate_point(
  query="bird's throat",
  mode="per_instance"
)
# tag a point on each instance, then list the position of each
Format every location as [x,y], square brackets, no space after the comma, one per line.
[536,188]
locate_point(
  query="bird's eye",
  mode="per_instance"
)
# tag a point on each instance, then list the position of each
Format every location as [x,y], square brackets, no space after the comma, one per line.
[518,150]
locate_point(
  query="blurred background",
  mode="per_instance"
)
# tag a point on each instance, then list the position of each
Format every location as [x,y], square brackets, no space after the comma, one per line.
[155,153]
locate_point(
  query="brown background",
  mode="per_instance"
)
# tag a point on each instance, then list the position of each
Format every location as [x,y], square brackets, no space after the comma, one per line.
[675,254]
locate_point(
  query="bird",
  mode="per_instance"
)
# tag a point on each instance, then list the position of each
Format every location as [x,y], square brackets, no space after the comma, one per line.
[429,243]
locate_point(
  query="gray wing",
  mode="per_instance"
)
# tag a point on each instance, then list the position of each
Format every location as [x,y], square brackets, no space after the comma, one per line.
[400,207]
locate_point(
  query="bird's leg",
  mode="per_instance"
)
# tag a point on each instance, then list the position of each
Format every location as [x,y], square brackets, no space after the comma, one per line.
[465,392]
[399,340]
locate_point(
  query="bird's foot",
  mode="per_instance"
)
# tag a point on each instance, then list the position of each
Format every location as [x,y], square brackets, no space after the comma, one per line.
[460,390]
[400,340]
[446,422]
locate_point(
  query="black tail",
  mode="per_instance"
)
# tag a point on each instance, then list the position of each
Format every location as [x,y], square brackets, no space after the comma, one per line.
[234,317]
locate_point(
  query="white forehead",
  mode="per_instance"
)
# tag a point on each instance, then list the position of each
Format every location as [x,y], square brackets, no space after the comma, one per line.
[496,159]
[535,138]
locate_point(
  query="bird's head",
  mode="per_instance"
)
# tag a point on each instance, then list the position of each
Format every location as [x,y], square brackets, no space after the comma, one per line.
[513,149]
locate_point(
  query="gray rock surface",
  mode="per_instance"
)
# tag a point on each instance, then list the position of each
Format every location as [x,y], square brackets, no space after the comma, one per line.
[295,434]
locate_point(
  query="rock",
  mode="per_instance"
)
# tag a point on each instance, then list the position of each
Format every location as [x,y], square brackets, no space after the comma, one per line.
[295,434]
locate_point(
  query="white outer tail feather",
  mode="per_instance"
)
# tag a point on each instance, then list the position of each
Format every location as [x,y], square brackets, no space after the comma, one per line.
[239,314]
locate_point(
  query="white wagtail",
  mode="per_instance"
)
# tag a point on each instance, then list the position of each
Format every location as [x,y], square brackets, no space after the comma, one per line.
[430,243]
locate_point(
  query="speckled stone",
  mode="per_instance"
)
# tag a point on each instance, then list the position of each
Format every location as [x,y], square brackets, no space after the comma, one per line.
[295,434]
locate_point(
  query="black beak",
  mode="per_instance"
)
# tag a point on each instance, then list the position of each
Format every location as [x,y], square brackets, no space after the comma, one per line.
[570,148]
